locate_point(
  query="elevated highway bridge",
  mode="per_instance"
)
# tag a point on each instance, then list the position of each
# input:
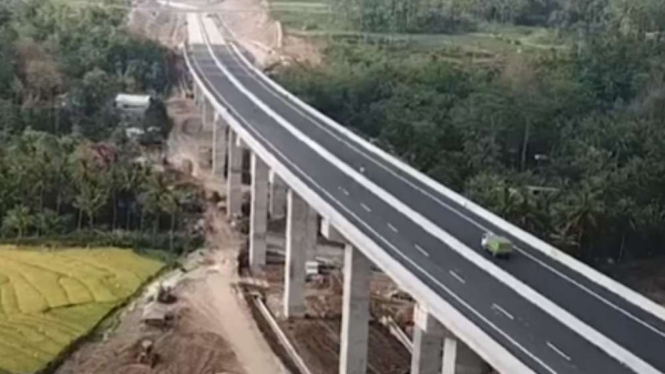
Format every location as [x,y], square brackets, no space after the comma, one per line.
[540,312]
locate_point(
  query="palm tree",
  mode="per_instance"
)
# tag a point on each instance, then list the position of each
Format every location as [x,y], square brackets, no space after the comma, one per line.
[18,219]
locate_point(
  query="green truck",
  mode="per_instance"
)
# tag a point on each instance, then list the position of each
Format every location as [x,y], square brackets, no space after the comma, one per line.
[497,246]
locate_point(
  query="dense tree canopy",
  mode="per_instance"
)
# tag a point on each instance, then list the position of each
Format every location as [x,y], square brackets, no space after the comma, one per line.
[568,143]
[65,162]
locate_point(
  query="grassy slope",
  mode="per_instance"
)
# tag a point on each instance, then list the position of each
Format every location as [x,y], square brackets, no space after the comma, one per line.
[48,299]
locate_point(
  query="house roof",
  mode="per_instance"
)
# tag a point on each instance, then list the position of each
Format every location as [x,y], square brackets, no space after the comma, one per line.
[133,100]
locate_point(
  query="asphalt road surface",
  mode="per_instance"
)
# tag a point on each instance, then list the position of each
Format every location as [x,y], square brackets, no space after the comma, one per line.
[530,333]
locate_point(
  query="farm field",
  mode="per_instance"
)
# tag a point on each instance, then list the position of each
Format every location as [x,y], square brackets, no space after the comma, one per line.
[50,298]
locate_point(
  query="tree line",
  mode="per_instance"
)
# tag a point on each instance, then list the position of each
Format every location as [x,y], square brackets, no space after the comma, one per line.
[450,16]
[568,144]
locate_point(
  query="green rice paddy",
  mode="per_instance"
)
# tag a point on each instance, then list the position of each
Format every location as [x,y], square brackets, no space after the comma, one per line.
[50,298]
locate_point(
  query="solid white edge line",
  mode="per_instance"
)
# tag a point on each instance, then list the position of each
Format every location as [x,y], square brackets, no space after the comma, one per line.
[558,351]
[503,311]
[481,343]
[601,279]
[457,276]
[585,331]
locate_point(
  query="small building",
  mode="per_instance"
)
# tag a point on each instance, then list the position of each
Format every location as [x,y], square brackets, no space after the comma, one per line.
[132,108]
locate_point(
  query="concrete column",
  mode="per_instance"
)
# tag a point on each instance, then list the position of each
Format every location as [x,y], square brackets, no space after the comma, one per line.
[458,358]
[258,213]
[219,144]
[233,180]
[207,114]
[428,335]
[355,312]
[277,197]
[197,94]
[298,244]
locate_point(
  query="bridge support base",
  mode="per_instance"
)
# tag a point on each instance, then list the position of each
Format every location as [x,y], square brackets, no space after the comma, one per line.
[298,244]
[277,197]
[233,180]
[355,312]
[258,213]
[219,144]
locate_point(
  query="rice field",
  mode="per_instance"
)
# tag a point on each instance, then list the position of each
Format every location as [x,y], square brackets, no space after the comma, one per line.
[50,298]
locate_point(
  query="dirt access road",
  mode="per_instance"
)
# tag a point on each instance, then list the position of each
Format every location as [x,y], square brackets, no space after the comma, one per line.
[214,331]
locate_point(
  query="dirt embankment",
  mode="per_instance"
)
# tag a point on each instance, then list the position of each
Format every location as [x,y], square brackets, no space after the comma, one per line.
[262,36]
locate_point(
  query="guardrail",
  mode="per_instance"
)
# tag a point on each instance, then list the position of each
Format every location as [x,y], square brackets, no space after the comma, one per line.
[491,351]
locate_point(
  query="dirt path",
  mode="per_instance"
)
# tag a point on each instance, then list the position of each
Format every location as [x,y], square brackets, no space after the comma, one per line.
[224,308]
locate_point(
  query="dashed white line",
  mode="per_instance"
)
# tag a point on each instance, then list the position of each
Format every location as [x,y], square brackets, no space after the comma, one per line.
[390,226]
[558,351]
[503,311]
[419,248]
[388,243]
[366,207]
[457,276]
[344,191]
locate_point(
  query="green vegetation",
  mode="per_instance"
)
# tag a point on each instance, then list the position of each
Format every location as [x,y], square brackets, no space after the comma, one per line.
[67,170]
[565,142]
[70,177]
[49,299]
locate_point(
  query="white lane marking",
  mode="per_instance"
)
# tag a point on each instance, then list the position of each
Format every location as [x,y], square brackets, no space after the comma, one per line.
[592,335]
[642,367]
[457,276]
[384,240]
[393,228]
[344,191]
[366,207]
[558,351]
[421,250]
[502,311]
[448,206]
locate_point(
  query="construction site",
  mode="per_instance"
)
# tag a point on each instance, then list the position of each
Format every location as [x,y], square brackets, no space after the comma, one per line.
[212,314]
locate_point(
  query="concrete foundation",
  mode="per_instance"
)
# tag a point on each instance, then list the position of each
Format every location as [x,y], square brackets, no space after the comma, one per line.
[278,190]
[219,145]
[258,213]
[355,312]
[234,175]
[298,244]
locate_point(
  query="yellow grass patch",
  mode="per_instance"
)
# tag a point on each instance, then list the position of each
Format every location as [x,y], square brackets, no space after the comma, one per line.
[50,298]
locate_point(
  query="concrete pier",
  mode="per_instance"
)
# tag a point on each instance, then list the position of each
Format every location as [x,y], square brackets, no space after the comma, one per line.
[428,335]
[355,312]
[458,358]
[277,197]
[437,350]
[207,114]
[258,213]
[298,243]
[219,145]
[233,179]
